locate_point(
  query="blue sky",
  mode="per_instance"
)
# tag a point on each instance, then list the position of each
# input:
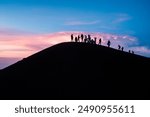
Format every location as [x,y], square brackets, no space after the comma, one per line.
[44,16]
[119,17]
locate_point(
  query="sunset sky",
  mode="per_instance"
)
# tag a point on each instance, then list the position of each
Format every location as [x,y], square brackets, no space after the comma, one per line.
[28,26]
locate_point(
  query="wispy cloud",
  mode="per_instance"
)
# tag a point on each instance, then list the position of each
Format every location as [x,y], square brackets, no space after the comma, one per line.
[121,18]
[11,31]
[16,45]
[72,23]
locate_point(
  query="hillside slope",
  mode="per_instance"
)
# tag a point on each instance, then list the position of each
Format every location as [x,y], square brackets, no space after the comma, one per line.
[77,71]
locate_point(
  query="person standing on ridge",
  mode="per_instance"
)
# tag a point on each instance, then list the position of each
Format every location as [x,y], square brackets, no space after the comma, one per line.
[78,38]
[72,37]
[122,48]
[82,37]
[85,39]
[95,40]
[100,41]
[89,38]
[129,51]
[108,43]
[119,47]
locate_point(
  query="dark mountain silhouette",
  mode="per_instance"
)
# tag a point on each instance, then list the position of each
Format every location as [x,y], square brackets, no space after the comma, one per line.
[77,71]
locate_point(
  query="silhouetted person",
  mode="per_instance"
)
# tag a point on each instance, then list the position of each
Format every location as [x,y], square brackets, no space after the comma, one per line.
[122,48]
[71,37]
[76,39]
[100,41]
[85,36]
[132,52]
[82,37]
[92,41]
[119,47]
[85,39]
[95,40]
[129,51]
[108,43]
[89,38]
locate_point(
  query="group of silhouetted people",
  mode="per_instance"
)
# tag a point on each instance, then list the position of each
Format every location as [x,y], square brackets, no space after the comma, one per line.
[85,39]
[122,48]
[131,51]
[88,39]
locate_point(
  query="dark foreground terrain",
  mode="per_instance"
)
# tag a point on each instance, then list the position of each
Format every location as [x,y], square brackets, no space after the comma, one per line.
[77,71]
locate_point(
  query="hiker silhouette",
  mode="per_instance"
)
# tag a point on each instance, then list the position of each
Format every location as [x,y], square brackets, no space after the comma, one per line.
[92,41]
[89,38]
[108,43]
[85,39]
[122,48]
[82,37]
[100,41]
[132,52]
[119,47]
[129,51]
[71,37]
[76,39]
[95,40]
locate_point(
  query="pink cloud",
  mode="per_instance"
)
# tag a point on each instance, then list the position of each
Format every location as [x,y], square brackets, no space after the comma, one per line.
[25,45]
[20,46]
[4,62]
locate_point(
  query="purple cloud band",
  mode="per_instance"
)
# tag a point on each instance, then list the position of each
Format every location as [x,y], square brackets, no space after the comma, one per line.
[20,46]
